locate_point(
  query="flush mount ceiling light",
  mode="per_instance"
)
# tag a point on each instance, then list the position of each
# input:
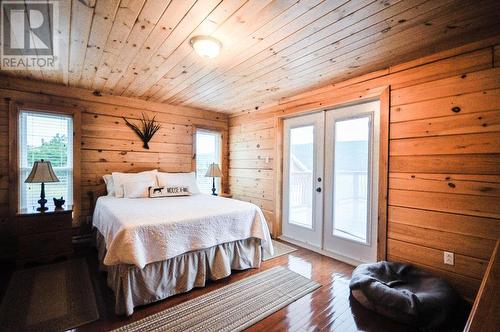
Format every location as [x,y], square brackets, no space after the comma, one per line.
[206,46]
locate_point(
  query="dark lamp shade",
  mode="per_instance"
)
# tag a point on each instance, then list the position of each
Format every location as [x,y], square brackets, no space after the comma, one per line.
[42,172]
[214,171]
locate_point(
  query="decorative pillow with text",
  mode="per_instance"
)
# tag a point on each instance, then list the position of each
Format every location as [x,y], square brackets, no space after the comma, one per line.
[168,191]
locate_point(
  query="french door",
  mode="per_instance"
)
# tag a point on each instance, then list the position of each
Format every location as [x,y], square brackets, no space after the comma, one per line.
[330,183]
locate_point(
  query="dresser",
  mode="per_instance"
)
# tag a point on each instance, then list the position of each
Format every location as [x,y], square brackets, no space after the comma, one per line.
[43,237]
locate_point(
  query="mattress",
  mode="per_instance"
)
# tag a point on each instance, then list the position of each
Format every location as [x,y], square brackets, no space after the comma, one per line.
[140,231]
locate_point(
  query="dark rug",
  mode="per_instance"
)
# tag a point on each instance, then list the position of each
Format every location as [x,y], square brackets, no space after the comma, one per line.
[53,297]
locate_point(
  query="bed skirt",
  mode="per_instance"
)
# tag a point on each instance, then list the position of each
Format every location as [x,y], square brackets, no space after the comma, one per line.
[156,281]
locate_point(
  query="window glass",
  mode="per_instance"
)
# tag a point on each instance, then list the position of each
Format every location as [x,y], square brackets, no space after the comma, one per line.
[207,152]
[351,178]
[301,163]
[48,137]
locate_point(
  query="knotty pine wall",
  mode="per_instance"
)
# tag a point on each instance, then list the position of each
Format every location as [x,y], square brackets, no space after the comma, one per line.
[444,167]
[107,144]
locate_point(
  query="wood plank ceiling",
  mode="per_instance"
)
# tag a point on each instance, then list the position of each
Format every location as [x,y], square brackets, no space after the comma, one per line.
[271,49]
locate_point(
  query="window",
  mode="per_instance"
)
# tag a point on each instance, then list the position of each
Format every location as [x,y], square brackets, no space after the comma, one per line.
[351,173]
[208,151]
[49,137]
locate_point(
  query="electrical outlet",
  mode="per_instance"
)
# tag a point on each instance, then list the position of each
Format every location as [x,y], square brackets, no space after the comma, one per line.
[449,258]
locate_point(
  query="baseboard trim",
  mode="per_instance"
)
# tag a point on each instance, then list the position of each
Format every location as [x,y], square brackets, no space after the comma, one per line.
[338,257]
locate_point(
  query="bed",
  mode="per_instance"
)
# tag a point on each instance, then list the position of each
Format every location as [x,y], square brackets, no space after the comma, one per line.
[153,248]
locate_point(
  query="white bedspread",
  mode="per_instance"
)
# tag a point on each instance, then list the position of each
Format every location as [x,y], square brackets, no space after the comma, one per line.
[140,231]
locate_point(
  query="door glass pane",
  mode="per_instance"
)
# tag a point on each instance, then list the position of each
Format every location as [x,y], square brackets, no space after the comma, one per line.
[301,173]
[351,179]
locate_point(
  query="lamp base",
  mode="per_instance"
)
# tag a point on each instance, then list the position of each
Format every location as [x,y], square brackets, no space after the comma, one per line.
[42,201]
[213,187]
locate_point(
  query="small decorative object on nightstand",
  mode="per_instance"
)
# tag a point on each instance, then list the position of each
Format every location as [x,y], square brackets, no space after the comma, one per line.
[44,236]
[58,203]
[42,172]
[213,172]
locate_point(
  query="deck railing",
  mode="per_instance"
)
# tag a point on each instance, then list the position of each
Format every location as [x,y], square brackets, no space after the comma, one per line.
[301,186]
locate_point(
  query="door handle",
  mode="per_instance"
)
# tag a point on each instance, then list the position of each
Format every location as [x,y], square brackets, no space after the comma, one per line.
[318,189]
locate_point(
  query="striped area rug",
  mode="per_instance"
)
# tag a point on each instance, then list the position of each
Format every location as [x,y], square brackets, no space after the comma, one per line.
[233,307]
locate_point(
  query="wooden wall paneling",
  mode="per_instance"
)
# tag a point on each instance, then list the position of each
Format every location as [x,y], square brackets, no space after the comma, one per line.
[486,100]
[496,56]
[4,160]
[13,160]
[460,244]
[483,206]
[107,144]
[444,165]
[466,83]
[383,176]
[464,265]
[480,185]
[67,96]
[251,163]
[448,125]
[453,164]
[483,143]
[480,227]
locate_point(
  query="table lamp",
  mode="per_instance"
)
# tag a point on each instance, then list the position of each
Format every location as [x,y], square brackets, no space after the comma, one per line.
[40,173]
[214,172]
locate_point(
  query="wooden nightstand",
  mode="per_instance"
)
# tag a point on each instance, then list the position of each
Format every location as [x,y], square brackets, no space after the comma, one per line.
[226,195]
[43,237]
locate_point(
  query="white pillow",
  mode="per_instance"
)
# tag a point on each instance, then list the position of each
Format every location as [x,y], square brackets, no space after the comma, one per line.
[137,189]
[120,178]
[110,186]
[179,180]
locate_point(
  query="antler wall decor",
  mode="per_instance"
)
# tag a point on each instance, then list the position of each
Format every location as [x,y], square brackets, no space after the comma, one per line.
[149,128]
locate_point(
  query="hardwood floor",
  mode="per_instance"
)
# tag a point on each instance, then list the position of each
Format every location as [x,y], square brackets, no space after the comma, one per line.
[328,308]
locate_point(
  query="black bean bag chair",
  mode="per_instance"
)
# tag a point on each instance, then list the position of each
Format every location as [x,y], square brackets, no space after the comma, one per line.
[404,293]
